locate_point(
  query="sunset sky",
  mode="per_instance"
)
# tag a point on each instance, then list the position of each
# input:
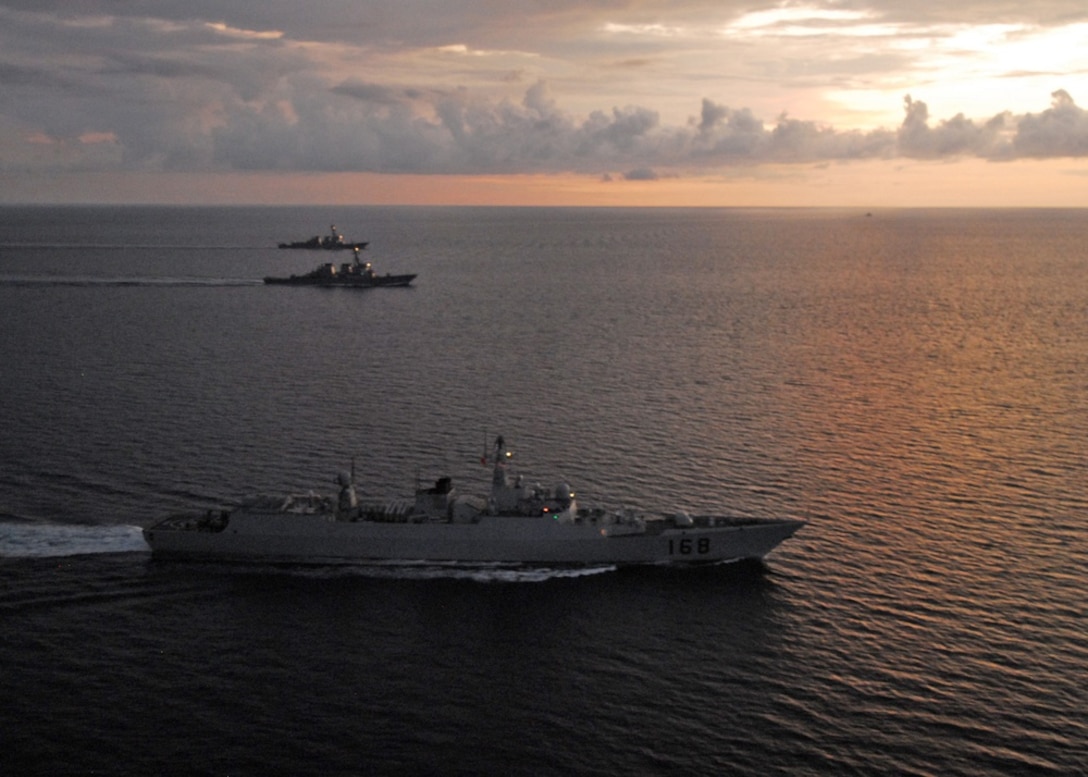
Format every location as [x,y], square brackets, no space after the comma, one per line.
[868,103]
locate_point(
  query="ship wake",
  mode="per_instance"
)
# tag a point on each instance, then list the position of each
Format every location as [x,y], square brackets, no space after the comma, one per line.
[34,540]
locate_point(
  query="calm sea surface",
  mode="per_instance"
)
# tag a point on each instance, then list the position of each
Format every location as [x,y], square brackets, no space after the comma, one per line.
[913,383]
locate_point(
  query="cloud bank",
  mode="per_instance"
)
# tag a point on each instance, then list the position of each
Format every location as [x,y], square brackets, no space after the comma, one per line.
[368,127]
[103,92]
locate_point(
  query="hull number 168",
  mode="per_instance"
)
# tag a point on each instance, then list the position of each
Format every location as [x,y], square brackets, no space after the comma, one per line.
[688,546]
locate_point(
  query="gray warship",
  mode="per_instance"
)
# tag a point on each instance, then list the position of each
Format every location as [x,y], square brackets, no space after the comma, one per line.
[516,523]
[355,274]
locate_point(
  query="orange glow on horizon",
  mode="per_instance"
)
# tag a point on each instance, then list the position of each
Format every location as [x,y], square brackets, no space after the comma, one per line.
[874,184]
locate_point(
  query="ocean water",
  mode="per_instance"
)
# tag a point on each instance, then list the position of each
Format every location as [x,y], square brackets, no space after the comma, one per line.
[913,383]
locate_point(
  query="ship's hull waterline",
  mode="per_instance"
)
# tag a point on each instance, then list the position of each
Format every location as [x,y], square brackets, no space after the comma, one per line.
[517,523]
[499,539]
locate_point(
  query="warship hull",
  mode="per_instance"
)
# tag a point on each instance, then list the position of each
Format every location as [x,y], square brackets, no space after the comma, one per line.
[343,280]
[516,523]
[493,539]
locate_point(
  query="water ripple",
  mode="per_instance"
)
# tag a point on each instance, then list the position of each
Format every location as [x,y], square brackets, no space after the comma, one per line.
[910,384]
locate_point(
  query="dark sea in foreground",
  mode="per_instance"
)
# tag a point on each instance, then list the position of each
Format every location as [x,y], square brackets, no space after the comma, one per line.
[913,383]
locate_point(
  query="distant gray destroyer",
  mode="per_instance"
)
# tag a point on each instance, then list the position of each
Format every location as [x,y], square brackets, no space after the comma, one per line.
[516,523]
[355,274]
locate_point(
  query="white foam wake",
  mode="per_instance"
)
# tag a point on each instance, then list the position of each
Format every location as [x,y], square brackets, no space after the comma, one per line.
[26,540]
